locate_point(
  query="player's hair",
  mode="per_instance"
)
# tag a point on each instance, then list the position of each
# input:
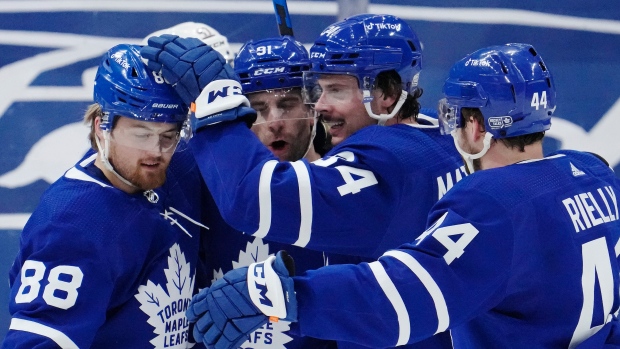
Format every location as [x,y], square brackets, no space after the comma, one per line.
[93,112]
[517,142]
[390,83]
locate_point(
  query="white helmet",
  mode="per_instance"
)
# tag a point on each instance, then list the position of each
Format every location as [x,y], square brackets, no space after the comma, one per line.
[200,31]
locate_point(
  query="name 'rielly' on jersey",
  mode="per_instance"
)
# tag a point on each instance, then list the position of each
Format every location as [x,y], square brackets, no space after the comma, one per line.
[492,244]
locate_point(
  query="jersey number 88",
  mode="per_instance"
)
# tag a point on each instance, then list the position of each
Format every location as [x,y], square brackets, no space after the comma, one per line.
[33,272]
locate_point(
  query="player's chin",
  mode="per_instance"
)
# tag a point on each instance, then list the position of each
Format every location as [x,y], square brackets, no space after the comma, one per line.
[150,180]
[337,138]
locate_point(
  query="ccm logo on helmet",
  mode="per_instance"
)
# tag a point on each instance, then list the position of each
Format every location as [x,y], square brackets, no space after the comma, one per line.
[165,106]
[267,71]
[317,55]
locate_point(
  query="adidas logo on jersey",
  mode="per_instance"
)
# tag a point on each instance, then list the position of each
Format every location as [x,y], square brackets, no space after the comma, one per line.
[576,172]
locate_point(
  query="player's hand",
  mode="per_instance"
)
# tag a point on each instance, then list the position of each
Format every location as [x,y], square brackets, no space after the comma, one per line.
[242,301]
[199,75]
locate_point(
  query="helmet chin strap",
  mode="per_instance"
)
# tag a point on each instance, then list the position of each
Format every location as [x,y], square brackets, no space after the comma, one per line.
[384,117]
[467,157]
[312,133]
[104,157]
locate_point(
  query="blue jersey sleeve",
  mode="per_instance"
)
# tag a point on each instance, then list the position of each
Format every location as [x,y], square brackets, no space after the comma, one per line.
[60,292]
[520,256]
[413,292]
[341,204]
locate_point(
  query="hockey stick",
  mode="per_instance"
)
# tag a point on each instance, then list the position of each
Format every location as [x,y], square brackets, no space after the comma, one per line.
[283,19]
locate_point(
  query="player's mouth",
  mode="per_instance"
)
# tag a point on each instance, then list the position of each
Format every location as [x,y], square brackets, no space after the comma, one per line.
[151,164]
[334,125]
[278,147]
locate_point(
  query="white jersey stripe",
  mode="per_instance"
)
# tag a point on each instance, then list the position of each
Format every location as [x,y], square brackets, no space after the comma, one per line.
[264,198]
[33,327]
[305,203]
[404,328]
[443,317]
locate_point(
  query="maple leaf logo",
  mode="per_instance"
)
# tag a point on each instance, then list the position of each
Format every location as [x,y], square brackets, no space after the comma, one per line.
[272,335]
[255,251]
[217,274]
[166,310]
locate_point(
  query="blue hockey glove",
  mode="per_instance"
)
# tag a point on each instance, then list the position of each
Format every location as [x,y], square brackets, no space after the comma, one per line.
[199,75]
[244,300]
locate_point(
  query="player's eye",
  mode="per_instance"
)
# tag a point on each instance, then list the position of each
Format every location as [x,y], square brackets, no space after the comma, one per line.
[288,105]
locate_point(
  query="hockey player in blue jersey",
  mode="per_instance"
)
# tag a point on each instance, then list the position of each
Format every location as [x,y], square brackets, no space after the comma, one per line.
[270,72]
[369,191]
[399,170]
[108,258]
[521,254]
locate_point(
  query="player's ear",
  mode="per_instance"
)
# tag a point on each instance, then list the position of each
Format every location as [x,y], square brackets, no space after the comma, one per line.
[477,128]
[97,128]
[385,101]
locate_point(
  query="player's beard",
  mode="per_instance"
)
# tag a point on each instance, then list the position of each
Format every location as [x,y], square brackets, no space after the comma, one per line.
[135,174]
[301,142]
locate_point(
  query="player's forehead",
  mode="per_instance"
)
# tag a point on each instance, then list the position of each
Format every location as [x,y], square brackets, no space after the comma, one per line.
[127,123]
[337,80]
[275,96]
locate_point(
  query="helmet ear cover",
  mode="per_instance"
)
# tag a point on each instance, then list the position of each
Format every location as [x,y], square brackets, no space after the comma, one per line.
[125,86]
[509,84]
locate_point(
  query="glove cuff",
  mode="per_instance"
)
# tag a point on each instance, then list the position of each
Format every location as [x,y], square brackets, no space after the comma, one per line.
[219,96]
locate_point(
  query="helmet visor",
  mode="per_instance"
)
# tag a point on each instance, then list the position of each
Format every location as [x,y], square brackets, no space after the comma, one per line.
[330,89]
[447,116]
[279,105]
[155,137]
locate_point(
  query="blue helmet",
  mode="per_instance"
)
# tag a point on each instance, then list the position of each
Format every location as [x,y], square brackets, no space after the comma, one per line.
[124,86]
[366,45]
[271,64]
[511,86]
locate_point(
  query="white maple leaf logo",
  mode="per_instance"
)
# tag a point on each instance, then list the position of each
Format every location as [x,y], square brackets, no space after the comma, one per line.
[272,335]
[166,310]
[255,251]
[217,274]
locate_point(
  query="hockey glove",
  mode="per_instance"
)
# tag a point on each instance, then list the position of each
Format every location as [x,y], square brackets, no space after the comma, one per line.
[244,300]
[199,75]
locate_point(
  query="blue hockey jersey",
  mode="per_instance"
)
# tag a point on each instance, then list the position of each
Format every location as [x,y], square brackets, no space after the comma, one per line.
[100,268]
[370,193]
[226,249]
[523,256]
